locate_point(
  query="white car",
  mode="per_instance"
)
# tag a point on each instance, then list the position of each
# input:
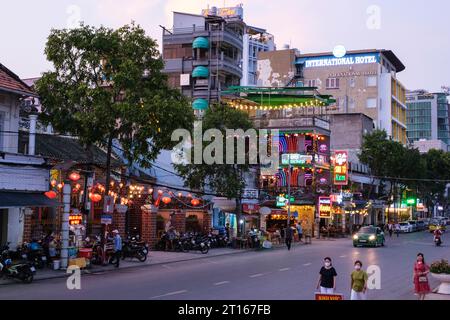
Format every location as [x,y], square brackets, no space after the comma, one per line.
[406,227]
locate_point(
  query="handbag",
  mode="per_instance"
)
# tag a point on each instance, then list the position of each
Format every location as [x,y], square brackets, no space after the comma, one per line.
[423,279]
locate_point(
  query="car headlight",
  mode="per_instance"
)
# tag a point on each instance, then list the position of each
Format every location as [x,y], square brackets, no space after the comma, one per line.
[355,237]
[372,237]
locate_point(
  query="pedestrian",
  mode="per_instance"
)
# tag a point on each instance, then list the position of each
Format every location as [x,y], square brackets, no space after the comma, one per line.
[300,231]
[358,282]
[327,278]
[390,229]
[117,247]
[397,229]
[227,230]
[420,277]
[288,237]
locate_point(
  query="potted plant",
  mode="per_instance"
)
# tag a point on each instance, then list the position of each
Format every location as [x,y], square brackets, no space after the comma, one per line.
[440,270]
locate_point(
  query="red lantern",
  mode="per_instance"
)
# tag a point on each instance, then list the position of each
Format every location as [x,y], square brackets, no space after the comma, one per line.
[166,200]
[51,194]
[74,176]
[195,202]
[95,197]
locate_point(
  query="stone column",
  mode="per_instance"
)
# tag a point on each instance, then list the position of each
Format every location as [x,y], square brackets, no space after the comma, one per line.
[207,223]
[148,224]
[179,221]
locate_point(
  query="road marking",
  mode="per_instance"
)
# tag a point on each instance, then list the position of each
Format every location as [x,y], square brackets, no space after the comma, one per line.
[169,294]
[256,275]
[343,256]
[166,266]
[356,252]
[221,283]
[212,262]
[307,264]
[285,269]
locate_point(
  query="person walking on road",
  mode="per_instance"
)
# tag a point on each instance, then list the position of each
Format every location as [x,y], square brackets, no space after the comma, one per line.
[288,234]
[420,277]
[358,282]
[327,278]
[117,247]
[390,229]
[397,229]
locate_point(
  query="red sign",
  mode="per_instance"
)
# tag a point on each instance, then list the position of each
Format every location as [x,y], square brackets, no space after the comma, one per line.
[250,208]
[340,175]
[325,207]
[329,297]
[75,219]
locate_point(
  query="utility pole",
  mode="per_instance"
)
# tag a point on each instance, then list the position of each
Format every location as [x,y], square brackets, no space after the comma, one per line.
[289,194]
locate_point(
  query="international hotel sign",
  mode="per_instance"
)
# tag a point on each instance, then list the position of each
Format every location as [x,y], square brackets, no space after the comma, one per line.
[340,174]
[348,60]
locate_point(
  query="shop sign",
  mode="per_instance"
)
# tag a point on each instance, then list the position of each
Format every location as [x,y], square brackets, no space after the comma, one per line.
[250,208]
[325,207]
[340,168]
[329,297]
[121,208]
[296,159]
[108,204]
[283,201]
[75,219]
[250,194]
[420,207]
[106,219]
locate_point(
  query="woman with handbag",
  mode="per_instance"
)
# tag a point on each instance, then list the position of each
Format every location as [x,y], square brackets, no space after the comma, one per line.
[420,279]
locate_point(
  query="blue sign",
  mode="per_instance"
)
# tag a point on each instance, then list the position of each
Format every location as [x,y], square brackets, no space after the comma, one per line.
[106,219]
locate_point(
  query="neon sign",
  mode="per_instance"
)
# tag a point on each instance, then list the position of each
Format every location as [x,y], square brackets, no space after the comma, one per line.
[325,207]
[341,168]
[331,61]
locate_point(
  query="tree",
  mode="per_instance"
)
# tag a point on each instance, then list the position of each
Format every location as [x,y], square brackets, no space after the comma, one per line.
[437,169]
[108,84]
[226,180]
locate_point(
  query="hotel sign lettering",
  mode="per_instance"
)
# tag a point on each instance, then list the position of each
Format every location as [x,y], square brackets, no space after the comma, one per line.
[340,168]
[347,60]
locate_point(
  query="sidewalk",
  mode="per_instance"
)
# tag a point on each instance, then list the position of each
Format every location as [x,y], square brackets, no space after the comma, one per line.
[154,258]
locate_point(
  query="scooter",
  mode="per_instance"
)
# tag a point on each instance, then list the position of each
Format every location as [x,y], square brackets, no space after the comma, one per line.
[437,241]
[22,271]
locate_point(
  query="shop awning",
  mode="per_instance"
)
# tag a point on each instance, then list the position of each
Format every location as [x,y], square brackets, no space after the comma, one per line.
[200,72]
[25,199]
[200,104]
[200,42]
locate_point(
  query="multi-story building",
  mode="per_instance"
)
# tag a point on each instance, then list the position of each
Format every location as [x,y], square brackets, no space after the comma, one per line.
[363,81]
[205,54]
[427,116]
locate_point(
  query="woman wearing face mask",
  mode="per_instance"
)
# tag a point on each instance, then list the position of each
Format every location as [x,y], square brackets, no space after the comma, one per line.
[420,279]
[327,278]
[359,282]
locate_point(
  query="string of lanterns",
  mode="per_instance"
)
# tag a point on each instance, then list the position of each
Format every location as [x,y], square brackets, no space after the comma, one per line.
[313,103]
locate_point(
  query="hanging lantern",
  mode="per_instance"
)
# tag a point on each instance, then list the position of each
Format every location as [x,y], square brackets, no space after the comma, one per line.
[53,183]
[60,186]
[180,194]
[95,197]
[166,200]
[160,192]
[51,194]
[74,176]
[77,186]
[195,202]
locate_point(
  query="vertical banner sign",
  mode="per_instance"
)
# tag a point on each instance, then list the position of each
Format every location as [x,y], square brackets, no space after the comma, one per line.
[108,205]
[340,168]
[325,207]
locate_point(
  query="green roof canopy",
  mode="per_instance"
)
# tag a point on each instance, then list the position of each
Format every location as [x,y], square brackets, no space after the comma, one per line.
[200,104]
[200,42]
[200,72]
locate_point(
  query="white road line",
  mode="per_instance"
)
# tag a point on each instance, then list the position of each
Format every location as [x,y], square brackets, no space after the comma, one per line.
[256,275]
[285,269]
[307,264]
[169,294]
[221,283]
[343,256]
[166,266]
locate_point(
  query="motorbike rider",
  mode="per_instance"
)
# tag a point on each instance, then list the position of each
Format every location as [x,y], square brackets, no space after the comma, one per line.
[437,236]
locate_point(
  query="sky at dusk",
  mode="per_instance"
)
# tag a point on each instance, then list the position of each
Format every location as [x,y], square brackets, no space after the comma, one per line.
[417,31]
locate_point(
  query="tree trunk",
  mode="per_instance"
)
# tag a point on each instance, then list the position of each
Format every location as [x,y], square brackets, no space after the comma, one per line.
[108,164]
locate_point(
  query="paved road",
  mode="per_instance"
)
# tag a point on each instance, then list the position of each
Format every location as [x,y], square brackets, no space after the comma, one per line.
[277,274]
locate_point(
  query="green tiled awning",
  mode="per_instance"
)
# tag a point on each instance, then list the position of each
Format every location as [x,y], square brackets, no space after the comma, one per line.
[200,72]
[200,104]
[200,42]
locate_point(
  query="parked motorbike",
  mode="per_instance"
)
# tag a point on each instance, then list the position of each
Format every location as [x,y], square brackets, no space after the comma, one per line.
[22,271]
[199,243]
[132,249]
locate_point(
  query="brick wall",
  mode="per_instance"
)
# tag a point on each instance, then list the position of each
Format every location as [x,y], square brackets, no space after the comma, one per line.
[27,228]
[179,221]
[207,221]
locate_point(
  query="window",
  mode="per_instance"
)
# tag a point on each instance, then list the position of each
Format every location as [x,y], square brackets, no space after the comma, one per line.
[312,83]
[371,81]
[351,103]
[352,82]
[332,83]
[2,117]
[371,103]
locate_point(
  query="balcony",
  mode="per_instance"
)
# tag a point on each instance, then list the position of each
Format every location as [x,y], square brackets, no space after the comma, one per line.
[178,65]
[226,64]
[281,122]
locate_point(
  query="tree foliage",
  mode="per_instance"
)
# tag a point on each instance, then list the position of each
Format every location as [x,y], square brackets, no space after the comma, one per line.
[108,84]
